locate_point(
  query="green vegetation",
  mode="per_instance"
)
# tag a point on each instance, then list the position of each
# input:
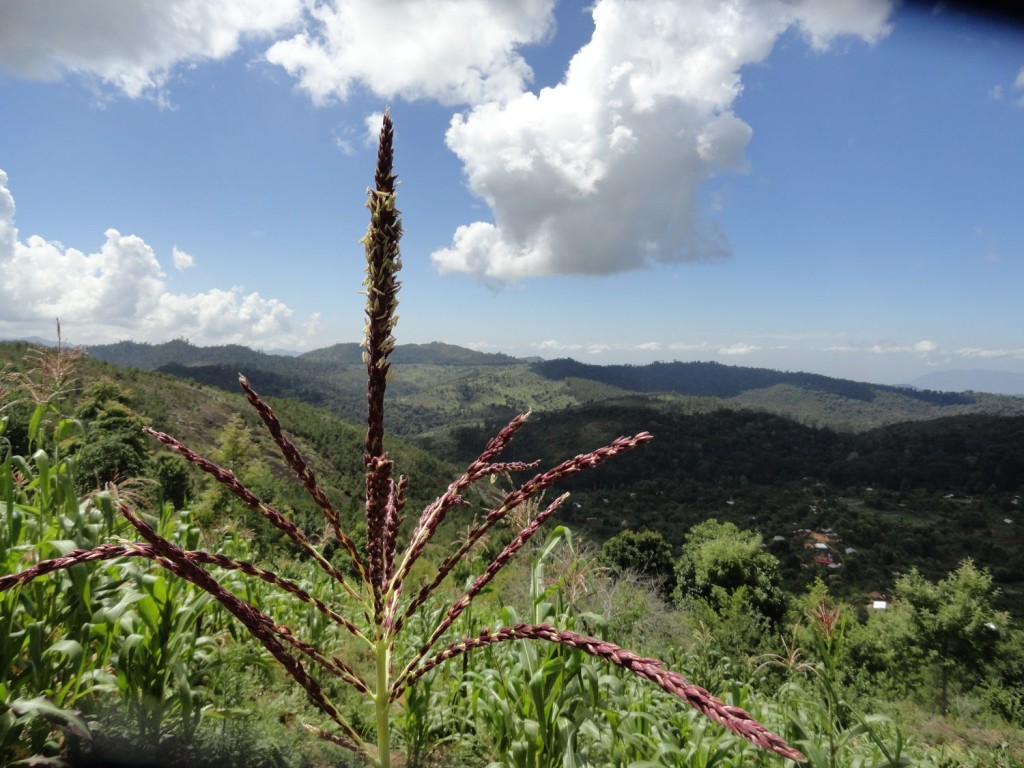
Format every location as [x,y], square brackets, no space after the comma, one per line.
[117,563]
[115,659]
[923,494]
[438,388]
[726,570]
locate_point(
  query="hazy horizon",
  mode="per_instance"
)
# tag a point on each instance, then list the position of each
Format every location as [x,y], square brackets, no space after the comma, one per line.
[951,379]
[812,186]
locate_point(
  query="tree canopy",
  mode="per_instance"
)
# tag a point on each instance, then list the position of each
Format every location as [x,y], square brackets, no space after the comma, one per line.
[719,560]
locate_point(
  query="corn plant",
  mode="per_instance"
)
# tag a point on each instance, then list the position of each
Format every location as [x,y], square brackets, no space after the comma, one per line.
[830,731]
[123,629]
[378,602]
[44,625]
[532,701]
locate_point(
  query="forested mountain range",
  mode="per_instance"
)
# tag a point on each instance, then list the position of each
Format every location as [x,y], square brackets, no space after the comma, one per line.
[925,494]
[435,386]
[902,477]
[999,382]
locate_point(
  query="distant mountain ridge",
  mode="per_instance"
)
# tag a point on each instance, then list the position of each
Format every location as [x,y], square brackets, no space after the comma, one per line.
[434,353]
[183,352]
[711,379]
[437,387]
[996,382]
[151,357]
[923,493]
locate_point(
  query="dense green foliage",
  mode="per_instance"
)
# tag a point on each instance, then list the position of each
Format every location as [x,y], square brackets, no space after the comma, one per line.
[925,494]
[723,381]
[722,566]
[644,553]
[118,658]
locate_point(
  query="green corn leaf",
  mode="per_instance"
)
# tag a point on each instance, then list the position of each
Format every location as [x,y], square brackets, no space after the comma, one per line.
[70,648]
[41,707]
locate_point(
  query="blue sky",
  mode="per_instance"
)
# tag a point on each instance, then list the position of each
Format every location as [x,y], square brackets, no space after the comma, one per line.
[802,185]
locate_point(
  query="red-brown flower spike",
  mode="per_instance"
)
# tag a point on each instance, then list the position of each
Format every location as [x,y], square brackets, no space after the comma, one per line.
[381,285]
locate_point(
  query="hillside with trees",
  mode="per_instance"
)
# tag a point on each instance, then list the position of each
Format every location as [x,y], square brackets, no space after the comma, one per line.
[920,494]
[923,493]
[701,546]
[440,386]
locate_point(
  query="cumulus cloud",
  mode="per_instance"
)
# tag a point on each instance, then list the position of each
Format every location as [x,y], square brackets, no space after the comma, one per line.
[130,46]
[823,21]
[181,259]
[602,173]
[395,48]
[456,53]
[119,291]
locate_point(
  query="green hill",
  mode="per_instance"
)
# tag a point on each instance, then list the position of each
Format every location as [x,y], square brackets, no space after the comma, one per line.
[434,353]
[437,387]
[903,478]
[197,413]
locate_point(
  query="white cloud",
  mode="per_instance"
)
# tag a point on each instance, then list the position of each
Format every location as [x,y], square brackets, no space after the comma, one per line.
[996,92]
[549,344]
[119,291]
[979,352]
[8,234]
[679,347]
[132,46]
[887,347]
[453,52]
[738,349]
[461,52]
[343,141]
[602,173]
[181,259]
[1018,86]
[823,20]
[595,347]
[219,316]
[372,124]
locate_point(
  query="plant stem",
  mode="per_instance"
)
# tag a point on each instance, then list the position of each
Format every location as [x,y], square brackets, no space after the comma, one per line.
[382,701]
